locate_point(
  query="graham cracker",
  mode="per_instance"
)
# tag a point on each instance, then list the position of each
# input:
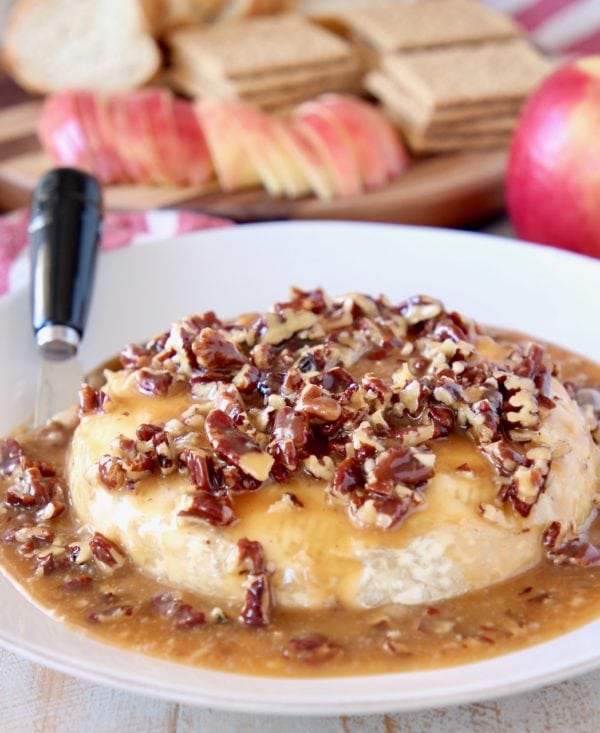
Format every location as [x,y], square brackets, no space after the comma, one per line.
[475,118]
[281,96]
[425,146]
[466,75]
[268,80]
[253,46]
[398,26]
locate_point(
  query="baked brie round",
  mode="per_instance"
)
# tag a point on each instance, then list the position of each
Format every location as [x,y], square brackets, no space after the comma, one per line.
[331,452]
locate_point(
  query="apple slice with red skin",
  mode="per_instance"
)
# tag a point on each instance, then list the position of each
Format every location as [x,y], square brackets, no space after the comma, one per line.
[198,165]
[280,171]
[253,128]
[108,138]
[234,168]
[107,165]
[163,131]
[62,134]
[363,134]
[147,103]
[334,145]
[391,146]
[302,149]
[131,149]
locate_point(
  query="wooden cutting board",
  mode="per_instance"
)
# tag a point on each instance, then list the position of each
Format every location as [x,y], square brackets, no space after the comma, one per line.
[445,190]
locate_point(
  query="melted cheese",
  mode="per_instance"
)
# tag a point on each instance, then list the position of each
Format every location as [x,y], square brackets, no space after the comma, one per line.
[318,558]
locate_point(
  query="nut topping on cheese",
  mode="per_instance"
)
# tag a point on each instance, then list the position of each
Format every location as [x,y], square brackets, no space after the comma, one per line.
[342,408]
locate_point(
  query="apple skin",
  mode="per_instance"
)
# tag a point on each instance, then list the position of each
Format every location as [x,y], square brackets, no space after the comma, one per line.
[553,180]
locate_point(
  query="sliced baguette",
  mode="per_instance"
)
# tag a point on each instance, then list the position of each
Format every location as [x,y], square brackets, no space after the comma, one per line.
[51,45]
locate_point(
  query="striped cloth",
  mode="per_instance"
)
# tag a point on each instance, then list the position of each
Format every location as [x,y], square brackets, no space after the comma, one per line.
[120,229]
[564,27]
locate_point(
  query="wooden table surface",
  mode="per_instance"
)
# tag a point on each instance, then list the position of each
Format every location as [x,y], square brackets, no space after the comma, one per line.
[35,699]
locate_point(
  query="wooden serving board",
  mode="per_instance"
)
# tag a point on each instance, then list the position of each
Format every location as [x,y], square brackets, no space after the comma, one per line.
[445,190]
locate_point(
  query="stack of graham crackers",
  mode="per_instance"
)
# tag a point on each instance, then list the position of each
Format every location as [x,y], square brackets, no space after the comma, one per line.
[274,62]
[453,74]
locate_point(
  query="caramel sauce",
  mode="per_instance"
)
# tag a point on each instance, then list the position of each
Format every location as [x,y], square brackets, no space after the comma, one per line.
[543,602]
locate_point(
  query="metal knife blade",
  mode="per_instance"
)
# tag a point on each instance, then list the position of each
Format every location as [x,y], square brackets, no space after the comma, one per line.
[56,390]
[64,230]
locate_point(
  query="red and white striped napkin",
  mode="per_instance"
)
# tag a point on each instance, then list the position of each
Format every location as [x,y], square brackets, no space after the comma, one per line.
[562,27]
[120,229]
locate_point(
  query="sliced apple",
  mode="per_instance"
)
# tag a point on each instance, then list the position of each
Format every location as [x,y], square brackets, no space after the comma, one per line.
[108,139]
[198,165]
[233,166]
[62,134]
[302,149]
[150,104]
[131,148]
[334,145]
[106,165]
[163,130]
[391,146]
[252,128]
[363,135]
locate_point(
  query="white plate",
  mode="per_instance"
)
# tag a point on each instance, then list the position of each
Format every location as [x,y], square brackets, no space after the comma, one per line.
[140,290]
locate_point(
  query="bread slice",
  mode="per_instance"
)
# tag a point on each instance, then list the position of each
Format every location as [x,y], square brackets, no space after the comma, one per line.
[52,45]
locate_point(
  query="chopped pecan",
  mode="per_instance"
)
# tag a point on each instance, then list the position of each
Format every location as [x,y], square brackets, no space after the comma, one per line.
[316,402]
[443,419]
[106,553]
[576,551]
[217,357]
[135,356]
[398,466]
[111,472]
[251,556]
[154,381]
[78,582]
[183,615]
[11,452]
[311,649]
[551,535]
[348,477]
[419,308]
[91,400]
[257,606]
[290,434]
[236,447]
[214,510]
[110,613]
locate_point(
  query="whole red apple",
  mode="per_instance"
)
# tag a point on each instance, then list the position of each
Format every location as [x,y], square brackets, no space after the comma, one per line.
[553,181]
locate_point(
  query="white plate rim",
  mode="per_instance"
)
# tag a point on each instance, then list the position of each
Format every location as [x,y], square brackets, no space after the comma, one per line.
[317,706]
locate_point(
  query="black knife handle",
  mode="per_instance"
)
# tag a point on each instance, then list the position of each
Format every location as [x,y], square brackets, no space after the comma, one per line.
[64,234]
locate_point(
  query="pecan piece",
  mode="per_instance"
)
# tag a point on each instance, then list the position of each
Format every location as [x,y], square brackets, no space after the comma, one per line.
[153,381]
[318,403]
[348,477]
[236,447]
[398,466]
[91,400]
[576,551]
[106,553]
[290,434]
[216,355]
[111,472]
[251,556]
[311,649]
[11,452]
[183,615]
[257,607]
[214,510]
